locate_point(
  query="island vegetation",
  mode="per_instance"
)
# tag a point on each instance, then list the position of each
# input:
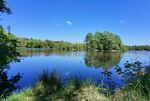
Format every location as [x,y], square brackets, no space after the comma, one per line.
[103,41]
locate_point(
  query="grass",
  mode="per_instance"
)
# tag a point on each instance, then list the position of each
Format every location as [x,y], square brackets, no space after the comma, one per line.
[136,91]
[24,95]
[47,83]
[49,87]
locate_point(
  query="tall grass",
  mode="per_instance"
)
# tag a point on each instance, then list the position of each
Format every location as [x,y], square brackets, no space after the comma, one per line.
[78,89]
[47,83]
[49,87]
[139,90]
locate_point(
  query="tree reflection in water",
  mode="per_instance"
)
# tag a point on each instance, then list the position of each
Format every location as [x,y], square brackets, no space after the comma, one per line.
[26,52]
[102,59]
[108,62]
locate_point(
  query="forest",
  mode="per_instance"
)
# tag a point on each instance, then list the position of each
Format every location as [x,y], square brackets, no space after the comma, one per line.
[37,43]
[100,41]
[139,47]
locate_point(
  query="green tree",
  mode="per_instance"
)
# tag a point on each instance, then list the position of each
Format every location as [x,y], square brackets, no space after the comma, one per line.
[103,41]
[4,8]
[89,40]
[9,29]
[8,53]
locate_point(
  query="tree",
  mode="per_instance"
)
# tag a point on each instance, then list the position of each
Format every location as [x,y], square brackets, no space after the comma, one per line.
[9,29]
[89,40]
[8,53]
[4,8]
[98,41]
[103,41]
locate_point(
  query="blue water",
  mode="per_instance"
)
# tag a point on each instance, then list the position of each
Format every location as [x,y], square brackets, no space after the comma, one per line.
[67,64]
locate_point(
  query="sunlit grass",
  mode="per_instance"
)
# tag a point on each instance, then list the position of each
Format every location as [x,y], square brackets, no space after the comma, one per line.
[139,90]
[49,87]
[47,83]
[24,95]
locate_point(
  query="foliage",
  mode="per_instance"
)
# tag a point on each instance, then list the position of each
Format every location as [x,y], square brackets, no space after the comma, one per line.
[137,79]
[77,89]
[74,90]
[103,41]
[139,48]
[7,48]
[8,53]
[139,90]
[57,45]
[99,41]
[24,95]
[4,8]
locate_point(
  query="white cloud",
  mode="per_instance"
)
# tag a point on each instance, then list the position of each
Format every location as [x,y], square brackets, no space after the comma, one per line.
[122,21]
[69,23]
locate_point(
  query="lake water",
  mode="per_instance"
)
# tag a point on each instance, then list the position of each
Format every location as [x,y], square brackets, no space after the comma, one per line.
[92,65]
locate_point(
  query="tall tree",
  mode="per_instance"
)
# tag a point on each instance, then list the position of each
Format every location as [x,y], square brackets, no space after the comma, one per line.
[9,29]
[4,8]
[103,41]
[89,40]
[8,53]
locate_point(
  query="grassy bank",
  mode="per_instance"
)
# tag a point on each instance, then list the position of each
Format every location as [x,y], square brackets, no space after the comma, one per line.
[49,87]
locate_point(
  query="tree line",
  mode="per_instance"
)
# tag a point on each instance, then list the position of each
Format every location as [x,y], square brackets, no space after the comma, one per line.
[100,41]
[139,48]
[37,43]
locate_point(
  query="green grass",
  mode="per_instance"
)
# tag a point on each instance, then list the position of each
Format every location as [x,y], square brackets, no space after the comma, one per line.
[50,88]
[24,95]
[139,90]
[47,83]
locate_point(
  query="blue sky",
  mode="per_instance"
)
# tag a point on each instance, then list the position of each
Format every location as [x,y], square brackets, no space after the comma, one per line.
[70,20]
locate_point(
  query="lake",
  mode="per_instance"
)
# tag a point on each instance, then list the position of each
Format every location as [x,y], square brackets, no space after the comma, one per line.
[96,66]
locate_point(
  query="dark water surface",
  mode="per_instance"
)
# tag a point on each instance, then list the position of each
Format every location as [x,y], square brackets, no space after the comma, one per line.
[93,65]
